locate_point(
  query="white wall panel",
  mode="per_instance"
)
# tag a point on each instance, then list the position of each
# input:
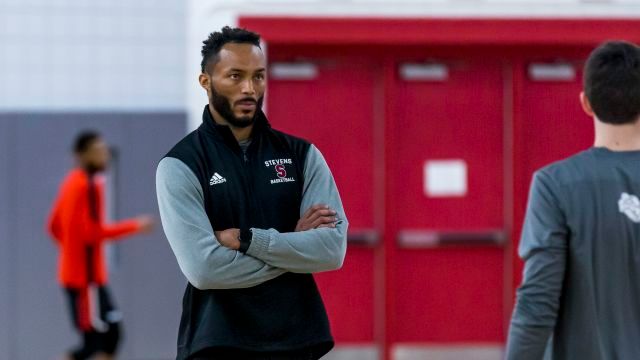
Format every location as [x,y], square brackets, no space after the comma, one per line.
[62,55]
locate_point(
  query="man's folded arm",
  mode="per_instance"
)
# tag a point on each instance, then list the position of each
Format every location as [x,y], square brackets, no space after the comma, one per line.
[204,262]
[314,250]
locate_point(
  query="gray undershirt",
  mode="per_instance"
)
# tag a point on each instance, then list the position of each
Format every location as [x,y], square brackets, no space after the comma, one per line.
[244,145]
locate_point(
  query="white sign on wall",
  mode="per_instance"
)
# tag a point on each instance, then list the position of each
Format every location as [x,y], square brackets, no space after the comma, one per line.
[445,178]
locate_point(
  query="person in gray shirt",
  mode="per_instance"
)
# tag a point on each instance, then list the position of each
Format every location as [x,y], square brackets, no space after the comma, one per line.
[581,236]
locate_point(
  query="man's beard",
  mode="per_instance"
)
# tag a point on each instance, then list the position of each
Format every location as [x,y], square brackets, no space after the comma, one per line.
[222,105]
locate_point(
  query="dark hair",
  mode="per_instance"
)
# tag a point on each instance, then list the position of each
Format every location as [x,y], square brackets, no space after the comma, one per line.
[218,39]
[612,82]
[84,140]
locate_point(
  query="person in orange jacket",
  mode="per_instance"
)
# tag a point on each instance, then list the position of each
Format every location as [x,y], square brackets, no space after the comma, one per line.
[77,224]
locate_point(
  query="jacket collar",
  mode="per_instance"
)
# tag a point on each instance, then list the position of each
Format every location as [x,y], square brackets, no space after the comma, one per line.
[223,132]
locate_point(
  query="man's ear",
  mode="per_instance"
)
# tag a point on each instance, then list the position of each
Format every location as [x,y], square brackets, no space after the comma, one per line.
[205,82]
[586,105]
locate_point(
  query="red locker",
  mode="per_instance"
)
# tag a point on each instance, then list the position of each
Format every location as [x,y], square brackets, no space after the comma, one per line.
[394,101]
[329,101]
[448,110]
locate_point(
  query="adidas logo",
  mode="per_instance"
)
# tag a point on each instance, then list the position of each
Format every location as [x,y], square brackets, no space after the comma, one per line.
[216,179]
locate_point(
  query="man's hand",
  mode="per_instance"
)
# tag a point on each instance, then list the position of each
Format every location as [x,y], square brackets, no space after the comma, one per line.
[317,216]
[146,223]
[229,238]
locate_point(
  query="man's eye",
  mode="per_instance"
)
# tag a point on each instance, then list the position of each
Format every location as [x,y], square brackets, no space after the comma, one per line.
[259,77]
[234,76]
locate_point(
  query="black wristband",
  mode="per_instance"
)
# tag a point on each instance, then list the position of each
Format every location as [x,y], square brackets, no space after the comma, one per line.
[245,240]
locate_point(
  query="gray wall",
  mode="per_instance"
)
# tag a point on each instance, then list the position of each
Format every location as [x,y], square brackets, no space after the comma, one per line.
[4,243]
[146,281]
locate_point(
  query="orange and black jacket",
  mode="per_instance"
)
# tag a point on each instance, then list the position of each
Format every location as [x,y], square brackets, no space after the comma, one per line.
[77,224]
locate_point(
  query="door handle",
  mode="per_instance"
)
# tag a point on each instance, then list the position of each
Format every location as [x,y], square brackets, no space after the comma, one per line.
[437,238]
[367,237]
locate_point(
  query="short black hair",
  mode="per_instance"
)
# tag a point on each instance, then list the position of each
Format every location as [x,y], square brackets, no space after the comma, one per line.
[218,39]
[612,82]
[84,140]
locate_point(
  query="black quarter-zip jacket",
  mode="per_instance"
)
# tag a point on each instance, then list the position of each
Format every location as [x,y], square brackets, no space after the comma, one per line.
[261,188]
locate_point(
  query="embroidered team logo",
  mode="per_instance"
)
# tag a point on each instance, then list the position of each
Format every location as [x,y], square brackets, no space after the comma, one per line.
[630,206]
[281,171]
[280,166]
[216,179]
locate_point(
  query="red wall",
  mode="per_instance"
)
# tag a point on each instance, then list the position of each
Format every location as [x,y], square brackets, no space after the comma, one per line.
[377,129]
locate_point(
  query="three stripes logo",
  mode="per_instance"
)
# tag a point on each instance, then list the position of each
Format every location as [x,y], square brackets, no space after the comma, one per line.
[216,179]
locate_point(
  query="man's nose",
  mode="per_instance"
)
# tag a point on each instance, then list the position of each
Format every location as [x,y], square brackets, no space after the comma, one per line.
[248,88]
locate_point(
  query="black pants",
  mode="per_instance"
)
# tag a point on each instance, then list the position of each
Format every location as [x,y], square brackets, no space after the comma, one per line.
[235,354]
[94,307]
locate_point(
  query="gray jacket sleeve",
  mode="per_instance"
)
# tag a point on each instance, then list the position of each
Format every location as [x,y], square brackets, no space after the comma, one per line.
[204,262]
[313,250]
[543,247]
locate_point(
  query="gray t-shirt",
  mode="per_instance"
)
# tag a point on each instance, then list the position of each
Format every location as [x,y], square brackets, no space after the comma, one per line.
[581,246]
